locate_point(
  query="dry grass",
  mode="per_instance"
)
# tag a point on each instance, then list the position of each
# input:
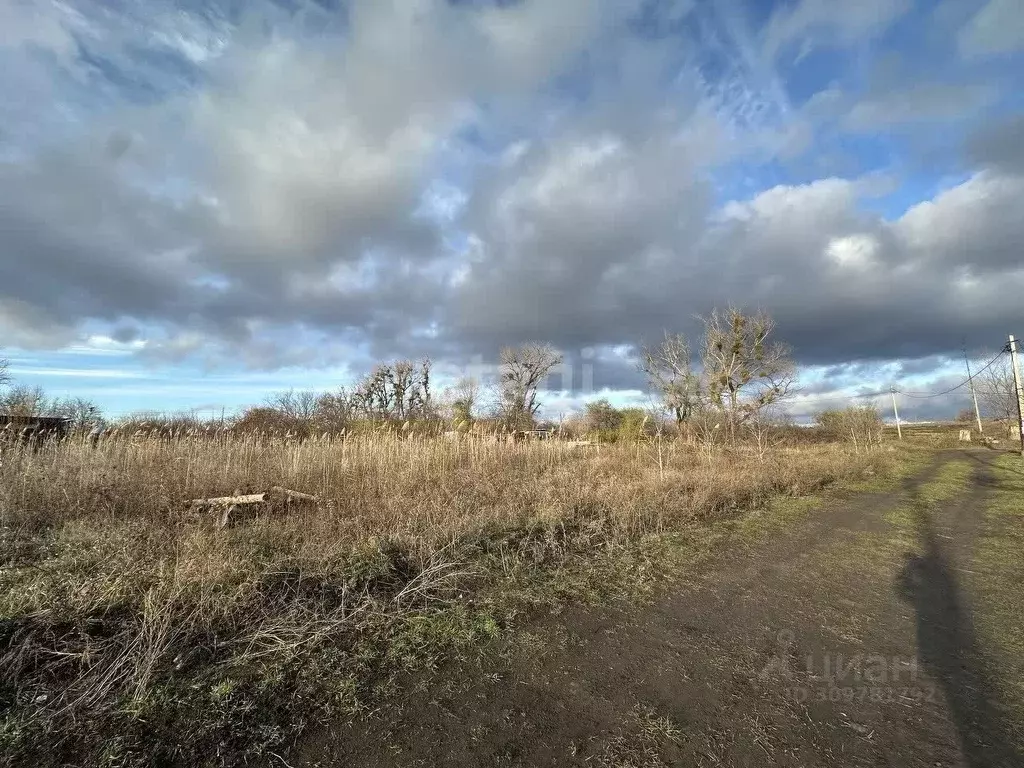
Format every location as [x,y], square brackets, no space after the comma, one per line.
[130,631]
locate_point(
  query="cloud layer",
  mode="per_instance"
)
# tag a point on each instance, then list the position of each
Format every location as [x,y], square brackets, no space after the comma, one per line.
[304,185]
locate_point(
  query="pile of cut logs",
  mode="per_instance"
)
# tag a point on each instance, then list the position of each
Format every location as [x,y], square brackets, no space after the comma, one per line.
[239,506]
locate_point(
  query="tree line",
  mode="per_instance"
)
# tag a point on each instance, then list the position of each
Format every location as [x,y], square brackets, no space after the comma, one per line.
[402,392]
[742,372]
[23,401]
[734,378]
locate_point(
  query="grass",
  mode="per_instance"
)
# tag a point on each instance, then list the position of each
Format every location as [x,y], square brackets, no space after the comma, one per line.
[951,479]
[995,583]
[134,633]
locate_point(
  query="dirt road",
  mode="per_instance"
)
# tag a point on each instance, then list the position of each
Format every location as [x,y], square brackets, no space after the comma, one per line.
[879,630]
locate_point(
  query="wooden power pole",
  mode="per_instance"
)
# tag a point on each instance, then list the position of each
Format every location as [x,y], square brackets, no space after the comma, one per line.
[892,391]
[1020,393]
[974,396]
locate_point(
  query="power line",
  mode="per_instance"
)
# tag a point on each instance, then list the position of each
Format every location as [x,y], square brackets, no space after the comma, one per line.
[965,382]
[842,398]
[915,395]
[822,397]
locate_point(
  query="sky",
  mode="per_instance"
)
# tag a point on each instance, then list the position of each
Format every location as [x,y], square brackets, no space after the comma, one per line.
[205,202]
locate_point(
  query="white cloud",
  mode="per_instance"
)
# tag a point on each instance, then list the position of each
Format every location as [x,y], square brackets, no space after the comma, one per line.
[825,22]
[46,24]
[998,27]
[106,346]
[853,251]
[77,373]
[972,224]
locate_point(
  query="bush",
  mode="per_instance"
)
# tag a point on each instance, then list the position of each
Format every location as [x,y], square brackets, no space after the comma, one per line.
[267,420]
[634,424]
[609,424]
[861,425]
[602,419]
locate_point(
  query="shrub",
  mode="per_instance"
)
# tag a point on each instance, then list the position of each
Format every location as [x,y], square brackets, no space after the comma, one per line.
[861,425]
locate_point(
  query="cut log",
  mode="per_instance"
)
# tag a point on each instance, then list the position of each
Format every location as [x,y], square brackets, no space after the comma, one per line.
[230,507]
[293,495]
[253,498]
[227,501]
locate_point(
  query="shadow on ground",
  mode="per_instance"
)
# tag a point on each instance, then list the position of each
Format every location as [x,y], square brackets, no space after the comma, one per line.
[984,460]
[948,645]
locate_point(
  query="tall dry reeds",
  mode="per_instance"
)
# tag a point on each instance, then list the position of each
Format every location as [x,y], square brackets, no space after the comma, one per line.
[126,616]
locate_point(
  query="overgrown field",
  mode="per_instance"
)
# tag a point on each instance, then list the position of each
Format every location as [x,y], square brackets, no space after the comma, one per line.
[133,632]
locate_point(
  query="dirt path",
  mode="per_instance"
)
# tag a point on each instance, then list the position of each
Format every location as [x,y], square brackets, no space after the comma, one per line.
[845,639]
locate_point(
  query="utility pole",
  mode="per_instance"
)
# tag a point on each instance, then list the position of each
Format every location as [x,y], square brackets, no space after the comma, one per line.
[974,396]
[1020,393]
[892,391]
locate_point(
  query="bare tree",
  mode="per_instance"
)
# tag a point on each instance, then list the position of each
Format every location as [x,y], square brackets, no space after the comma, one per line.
[402,384]
[419,395]
[333,411]
[5,376]
[464,399]
[997,394]
[706,428]
[398,390]
[668,367]
[290,411]
[761,429]
[523,370]
[374,395]
[299,405]
[654,415]
[82,412]
[24,400]
[745,371]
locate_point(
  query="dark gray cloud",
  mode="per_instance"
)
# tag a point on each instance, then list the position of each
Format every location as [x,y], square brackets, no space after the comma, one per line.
[999,145]
[843,284]
[900,93]
[919,102]
[446,179]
